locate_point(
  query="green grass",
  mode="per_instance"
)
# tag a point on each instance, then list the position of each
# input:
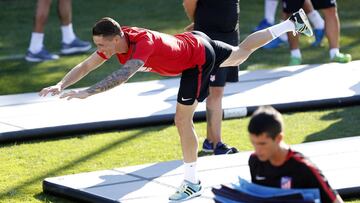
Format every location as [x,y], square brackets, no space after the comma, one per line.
[25,165]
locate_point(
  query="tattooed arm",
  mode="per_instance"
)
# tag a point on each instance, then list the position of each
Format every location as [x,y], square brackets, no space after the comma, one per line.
[116,78]
[78,72]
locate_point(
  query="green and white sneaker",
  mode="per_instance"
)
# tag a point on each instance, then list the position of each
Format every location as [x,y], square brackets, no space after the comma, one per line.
[186,191]
[294,61]
[342,58]
[301,22]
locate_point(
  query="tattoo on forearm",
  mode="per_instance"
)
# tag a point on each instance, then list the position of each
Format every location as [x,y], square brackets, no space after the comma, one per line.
[116,78]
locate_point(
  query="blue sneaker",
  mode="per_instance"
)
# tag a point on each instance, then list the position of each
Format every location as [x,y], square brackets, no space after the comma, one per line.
[222,148]
[207,146]
[186,191]
[275,43]
[262,25]
[319,35]
[42,55]
[75,47]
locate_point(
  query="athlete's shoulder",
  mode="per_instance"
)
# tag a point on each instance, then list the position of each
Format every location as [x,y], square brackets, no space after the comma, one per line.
[135,33]
[253,160]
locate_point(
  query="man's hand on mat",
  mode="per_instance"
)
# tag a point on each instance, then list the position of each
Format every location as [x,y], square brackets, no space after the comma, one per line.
[54,90]
[80,94]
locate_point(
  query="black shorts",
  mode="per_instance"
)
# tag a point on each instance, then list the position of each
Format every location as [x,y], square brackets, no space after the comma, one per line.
[220,21]
[292,6]
[194,82]
[323,4]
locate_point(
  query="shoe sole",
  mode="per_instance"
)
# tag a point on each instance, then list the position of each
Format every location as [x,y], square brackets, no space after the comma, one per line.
[75,50]
[190,197]
[305,19]
[208,150]
[28,59]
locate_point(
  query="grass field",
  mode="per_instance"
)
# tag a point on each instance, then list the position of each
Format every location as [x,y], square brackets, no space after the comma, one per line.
[25,165]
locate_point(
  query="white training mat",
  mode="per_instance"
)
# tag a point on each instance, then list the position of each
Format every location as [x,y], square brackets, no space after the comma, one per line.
[338,159]
[154,102]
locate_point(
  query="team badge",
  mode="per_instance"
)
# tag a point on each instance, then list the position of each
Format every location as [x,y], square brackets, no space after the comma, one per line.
[286,182]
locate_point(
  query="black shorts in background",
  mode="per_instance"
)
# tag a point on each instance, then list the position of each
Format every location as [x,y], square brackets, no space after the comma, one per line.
[322,4]
[219,19]
[292,6]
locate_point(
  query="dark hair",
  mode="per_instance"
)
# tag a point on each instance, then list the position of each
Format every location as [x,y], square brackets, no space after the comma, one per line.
[107,27]
[267,120]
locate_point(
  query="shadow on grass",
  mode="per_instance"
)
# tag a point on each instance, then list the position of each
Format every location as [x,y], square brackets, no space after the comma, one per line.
[75,162]
[346,125]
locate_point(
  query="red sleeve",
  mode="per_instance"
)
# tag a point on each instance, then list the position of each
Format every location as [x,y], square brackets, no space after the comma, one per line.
[143,49]
[102,55]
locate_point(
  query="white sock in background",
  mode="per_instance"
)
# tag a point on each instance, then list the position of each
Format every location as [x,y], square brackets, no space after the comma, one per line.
[295,53]
[270,10]
[190,172]
[333,52]
[36,42]
[316,19]
[68,34]
[281,28]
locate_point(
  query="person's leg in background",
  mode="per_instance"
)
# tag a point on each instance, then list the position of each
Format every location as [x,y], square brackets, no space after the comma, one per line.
[332,28]
[70,43]
[36,51]
[270,7]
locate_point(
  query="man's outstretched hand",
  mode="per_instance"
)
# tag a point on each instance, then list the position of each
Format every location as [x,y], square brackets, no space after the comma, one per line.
[54,90]
[79,94]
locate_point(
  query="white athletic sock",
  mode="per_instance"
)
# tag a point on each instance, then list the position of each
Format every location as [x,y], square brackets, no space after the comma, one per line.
[333,52]
[36,42]
[316,19]
[190,172]
[270,10]
[68,34]
[281,28]
[283,37]
[295,53]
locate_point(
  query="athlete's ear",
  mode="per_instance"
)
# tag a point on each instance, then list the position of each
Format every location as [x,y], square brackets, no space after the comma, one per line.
[279,138]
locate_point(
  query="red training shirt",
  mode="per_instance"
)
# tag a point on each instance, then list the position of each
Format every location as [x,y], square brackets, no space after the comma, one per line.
[162,53]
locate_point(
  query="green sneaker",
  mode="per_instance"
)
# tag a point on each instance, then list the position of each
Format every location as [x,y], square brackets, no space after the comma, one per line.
[294,61]
[186,191]
[301,22]
[342,58]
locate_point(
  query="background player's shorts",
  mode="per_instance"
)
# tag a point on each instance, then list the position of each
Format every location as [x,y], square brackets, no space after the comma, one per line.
[219,19]
[322,4]
[292,6]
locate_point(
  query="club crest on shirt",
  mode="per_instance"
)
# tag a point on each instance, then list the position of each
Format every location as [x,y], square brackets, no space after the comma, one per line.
[286,182]
[145,69]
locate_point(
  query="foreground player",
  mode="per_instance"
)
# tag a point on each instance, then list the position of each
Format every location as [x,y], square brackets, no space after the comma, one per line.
[191,54]
[274,164]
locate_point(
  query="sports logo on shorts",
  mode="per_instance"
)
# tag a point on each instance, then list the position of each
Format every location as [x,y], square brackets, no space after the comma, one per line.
[286,182]
[212,78]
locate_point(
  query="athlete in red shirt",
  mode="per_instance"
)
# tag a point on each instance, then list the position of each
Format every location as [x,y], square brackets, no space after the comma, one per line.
[192,54]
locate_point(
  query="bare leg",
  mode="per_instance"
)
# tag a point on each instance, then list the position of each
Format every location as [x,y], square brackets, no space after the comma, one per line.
[249,45]
[41,16]
[65,11]
[185,126]
[332,26]
[214,114]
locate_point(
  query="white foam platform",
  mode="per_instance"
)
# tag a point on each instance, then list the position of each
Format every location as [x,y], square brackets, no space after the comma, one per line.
[144,102]
[338,159]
